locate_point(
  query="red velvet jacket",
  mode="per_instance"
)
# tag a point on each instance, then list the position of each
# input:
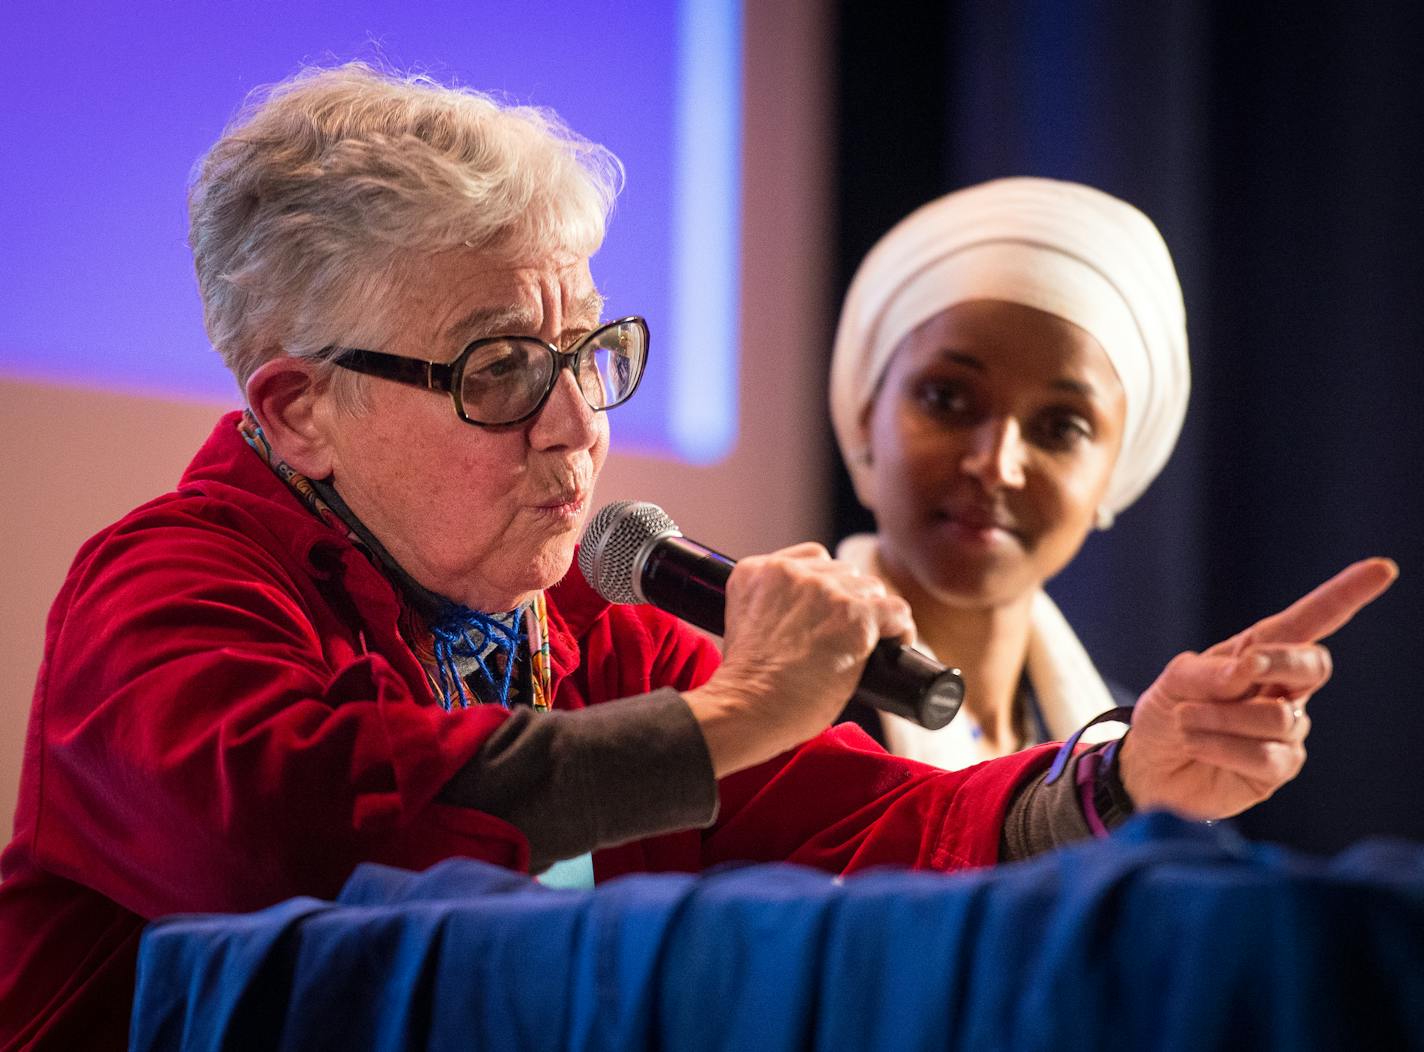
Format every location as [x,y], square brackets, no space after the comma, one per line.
[227,717]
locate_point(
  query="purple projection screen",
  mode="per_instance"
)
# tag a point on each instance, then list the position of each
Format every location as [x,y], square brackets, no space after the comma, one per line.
[108,106]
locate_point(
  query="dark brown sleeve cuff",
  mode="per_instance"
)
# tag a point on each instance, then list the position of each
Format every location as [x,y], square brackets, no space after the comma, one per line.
[577,781]
[1043,817]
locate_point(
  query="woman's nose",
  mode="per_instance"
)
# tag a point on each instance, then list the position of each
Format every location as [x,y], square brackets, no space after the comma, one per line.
[996,454]
[566,420]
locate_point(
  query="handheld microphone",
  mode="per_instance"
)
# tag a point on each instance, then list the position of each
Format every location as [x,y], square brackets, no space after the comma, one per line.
[632,552]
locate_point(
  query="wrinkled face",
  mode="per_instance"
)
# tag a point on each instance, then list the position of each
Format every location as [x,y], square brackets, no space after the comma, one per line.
[992,439]
[481,516]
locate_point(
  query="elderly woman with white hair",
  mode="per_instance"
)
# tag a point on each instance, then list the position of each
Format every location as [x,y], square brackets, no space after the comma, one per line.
[1010,372]
[351,633]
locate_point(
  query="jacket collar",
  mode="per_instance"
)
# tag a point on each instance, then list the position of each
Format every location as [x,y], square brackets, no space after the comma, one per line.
[226,466]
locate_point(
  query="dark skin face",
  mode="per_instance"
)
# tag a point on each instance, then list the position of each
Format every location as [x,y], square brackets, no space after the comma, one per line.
[992,441]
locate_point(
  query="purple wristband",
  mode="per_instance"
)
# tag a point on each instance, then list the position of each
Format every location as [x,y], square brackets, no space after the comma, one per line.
[1087,777]
[1090,766]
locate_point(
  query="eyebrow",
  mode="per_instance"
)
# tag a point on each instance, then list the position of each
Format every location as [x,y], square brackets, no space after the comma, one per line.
[589,308]
[1077,387]
[490,321]
[1063,383]
[496,321]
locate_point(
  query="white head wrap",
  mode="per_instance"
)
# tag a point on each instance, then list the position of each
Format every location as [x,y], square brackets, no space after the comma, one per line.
[1059,247]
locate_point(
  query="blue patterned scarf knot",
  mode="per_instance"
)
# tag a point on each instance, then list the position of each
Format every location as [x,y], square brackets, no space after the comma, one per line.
[468,636]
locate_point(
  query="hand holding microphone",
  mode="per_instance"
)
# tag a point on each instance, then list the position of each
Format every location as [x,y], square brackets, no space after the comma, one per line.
[798,626]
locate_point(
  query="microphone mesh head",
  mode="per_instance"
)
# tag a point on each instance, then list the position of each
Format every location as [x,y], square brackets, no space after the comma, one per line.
[612,541]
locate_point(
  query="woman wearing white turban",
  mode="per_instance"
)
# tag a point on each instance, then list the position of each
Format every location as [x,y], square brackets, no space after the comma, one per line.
[1010,371]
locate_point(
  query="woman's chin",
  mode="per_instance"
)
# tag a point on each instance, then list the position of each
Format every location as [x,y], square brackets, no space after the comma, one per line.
[978,584]
[540,572]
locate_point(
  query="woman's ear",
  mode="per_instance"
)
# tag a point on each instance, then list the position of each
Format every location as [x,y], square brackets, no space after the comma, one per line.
[862,458]
[290,402]
[862,454]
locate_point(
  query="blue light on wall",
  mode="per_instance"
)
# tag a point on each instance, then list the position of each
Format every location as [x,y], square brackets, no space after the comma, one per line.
[703,407]
[109,105]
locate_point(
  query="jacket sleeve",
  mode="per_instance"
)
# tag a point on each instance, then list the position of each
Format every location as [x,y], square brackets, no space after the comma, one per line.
[841,803]
[208,743]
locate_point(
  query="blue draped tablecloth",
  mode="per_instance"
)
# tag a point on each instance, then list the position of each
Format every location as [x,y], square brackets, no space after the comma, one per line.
[1165,936]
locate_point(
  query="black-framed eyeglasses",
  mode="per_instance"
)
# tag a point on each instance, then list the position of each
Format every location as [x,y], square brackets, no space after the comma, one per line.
[501,380]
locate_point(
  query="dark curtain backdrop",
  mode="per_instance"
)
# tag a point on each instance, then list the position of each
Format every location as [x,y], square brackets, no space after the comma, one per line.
[1274,145]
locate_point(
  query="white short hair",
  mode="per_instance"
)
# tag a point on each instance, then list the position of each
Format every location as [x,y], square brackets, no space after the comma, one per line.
[330,184]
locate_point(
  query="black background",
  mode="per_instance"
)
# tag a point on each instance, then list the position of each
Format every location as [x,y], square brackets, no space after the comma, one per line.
[1275,147]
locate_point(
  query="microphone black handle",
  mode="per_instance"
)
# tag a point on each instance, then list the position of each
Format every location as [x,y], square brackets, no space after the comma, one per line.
[900,680]
[690,580]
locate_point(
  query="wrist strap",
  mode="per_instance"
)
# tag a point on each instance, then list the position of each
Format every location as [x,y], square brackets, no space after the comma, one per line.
[1121,714]
[1108,797]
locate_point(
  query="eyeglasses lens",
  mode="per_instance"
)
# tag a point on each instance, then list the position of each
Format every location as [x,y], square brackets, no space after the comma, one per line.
[504,380]
[612,362]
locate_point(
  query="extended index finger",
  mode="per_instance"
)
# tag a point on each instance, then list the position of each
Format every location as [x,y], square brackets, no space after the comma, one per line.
[1322,611]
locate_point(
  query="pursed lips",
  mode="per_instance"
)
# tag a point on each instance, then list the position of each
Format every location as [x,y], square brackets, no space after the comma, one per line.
[572,495]
[563,489]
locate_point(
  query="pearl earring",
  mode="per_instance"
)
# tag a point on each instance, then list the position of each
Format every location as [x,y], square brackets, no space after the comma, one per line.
[1105,518]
